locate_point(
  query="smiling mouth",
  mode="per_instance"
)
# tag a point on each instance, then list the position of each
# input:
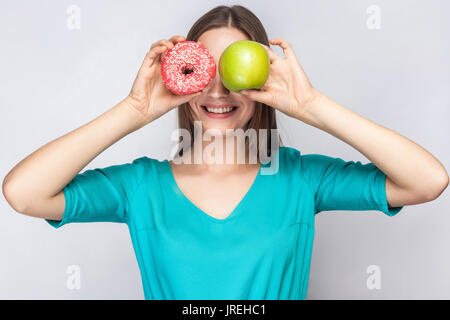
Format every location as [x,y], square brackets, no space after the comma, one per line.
[219,110]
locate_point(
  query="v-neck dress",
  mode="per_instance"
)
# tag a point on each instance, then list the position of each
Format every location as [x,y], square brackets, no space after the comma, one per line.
[262,250]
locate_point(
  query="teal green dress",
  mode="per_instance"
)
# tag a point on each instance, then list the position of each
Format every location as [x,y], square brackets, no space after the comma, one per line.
[262,250]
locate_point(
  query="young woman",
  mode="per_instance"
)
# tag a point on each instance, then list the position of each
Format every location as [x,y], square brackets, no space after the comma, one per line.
[223,231]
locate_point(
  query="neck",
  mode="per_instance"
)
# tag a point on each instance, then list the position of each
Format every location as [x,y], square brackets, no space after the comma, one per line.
[214,151]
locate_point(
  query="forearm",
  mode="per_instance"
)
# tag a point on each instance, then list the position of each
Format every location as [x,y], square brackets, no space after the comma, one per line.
[47,170]
[406,163]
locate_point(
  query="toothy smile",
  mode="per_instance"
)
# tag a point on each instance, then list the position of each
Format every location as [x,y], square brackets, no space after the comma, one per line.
[219,110]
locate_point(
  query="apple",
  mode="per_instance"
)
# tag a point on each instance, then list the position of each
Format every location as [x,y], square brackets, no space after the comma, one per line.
[244,65]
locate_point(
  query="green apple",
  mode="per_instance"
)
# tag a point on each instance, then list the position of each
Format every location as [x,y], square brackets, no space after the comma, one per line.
[244,65]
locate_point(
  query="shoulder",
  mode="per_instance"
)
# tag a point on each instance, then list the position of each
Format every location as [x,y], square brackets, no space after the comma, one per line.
[289,157]
[289,153]
[285,161]
[147,165]
[293,159]
[308,162]
[140,172]
[134,171]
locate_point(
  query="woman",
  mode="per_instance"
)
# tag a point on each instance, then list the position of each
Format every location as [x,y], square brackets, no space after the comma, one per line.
[223,231]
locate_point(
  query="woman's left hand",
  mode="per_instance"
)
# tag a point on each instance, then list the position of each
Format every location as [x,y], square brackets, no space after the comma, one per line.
[287,88]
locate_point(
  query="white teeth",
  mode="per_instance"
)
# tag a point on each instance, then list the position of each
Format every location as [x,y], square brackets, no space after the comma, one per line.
[219,110]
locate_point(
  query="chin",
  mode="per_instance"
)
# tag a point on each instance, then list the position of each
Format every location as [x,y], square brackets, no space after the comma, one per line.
[221,127]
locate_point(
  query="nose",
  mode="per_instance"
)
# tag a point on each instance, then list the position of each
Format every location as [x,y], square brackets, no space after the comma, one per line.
[215,89]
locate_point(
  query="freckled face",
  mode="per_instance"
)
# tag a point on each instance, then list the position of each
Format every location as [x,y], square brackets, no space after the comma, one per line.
[236,109]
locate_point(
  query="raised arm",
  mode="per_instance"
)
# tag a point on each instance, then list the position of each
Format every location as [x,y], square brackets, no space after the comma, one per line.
[34,186]
[413,175]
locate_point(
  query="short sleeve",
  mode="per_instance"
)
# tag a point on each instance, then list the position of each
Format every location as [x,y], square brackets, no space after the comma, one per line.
[345,185]
[101,194]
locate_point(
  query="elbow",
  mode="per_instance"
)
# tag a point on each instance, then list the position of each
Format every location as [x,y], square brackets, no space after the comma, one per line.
[435,192]
[12,196]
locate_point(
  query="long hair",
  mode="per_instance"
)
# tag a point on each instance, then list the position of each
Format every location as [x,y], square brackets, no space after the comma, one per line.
[244,20]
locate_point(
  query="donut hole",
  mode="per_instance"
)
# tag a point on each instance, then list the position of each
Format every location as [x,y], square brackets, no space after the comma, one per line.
[187,70]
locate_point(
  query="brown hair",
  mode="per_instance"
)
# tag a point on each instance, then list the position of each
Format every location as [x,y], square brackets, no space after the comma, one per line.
[244,20]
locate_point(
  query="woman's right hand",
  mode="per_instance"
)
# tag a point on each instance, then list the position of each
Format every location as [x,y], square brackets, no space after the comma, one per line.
[149,94]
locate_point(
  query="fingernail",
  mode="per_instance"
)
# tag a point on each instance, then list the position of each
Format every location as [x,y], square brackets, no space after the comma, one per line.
[244,92]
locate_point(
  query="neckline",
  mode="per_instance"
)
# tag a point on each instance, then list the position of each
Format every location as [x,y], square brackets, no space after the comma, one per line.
[234,213]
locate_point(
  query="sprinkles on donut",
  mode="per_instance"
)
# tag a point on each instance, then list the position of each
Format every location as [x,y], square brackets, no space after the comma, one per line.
[187,68]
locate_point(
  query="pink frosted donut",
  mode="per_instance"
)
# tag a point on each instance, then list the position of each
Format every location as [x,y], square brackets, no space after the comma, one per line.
[187,68]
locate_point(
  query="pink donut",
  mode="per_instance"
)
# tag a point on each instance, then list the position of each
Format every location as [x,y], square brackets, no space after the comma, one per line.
[187,68]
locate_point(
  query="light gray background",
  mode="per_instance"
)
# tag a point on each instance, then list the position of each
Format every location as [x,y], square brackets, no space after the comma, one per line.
[53,80]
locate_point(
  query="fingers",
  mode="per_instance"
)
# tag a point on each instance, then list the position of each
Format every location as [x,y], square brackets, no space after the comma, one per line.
[154,54]
[162,42]
[175,39]
[287,49]
[169,44]
[260,96]
[272,55]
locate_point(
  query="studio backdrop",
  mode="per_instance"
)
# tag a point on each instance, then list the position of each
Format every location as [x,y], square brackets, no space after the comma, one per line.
[63,63]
